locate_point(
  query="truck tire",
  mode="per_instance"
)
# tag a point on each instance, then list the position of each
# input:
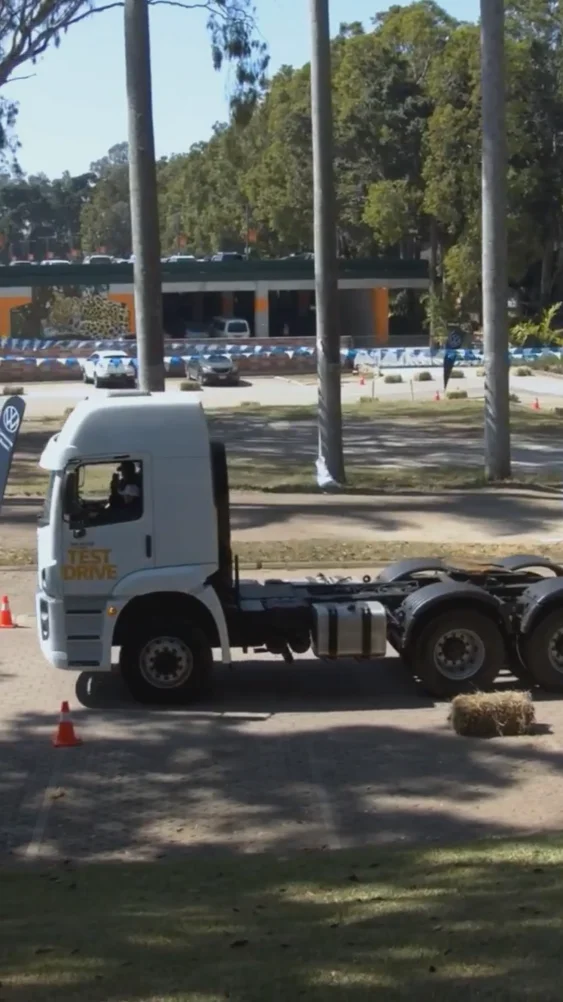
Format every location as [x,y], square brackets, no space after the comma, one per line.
[542,652]
[97,383]
[457,651]
[529,562]
[167,661]
[405,570]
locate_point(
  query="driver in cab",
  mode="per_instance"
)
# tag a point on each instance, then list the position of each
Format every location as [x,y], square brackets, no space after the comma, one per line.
[125,490]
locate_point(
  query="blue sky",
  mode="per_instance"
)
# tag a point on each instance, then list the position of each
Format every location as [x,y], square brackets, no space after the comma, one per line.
[72,108]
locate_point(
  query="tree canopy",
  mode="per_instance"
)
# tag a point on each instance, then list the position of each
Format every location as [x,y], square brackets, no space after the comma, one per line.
[407,108]
[29,27]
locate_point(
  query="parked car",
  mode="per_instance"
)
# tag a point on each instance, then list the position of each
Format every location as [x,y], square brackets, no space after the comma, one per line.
[229,327]
[99,259]
[54,260]
[179,258]
[109,368]
[227,256]
[213,369]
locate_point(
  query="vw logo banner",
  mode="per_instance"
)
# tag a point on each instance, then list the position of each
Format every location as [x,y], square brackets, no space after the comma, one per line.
[11,417]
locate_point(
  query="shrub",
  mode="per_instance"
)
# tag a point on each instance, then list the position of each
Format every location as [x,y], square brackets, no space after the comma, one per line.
[457,395]
[393,377]
[187,385]
[514,398]
[423,377]
[457,374]
[480,372]
[369,400]
[523,370]
[548,363]
[13,391]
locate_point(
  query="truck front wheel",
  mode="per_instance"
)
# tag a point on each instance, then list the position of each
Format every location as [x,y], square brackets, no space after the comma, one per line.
[167,661]
[458,651]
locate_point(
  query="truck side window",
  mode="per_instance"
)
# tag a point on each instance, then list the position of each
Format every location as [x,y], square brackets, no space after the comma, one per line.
[109,492]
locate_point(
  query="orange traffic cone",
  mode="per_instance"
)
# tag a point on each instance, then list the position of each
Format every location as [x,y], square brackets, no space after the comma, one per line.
[64,736]
[437,396]
[536,405]
[6,621]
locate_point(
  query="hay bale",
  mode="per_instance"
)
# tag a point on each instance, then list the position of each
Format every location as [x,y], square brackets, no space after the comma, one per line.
[492,714]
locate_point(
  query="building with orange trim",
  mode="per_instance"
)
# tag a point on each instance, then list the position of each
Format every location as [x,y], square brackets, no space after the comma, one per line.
[276,297]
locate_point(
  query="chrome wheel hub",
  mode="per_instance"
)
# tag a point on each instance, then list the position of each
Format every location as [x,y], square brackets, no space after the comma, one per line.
[166,662]
[459,655]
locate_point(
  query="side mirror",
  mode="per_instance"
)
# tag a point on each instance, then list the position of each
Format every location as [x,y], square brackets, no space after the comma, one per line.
[71,508]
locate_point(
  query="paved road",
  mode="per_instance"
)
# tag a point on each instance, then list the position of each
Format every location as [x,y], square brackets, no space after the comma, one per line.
[283,758]
[51,399]
[518,519]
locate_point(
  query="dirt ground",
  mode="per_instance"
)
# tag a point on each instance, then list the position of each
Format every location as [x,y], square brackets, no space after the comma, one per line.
[518,519]
[283,758]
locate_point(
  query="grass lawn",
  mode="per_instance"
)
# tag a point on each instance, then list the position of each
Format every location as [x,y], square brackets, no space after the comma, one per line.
[460,414]
[333,553]
[477,922]
[284,476]
[259,468]
[251,473]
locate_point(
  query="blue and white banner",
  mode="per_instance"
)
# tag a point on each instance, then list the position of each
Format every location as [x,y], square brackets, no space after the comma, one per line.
[181,351]
[423,358]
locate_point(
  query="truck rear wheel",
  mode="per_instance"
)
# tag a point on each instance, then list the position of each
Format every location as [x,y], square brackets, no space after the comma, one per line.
[457,651]
[167,661]
[542,652]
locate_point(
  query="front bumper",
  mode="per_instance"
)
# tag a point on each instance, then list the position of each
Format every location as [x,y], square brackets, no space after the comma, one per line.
[217,379]
[116,377]
[51,629]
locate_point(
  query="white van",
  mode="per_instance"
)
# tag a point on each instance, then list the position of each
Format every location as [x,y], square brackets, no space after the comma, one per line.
[229,327]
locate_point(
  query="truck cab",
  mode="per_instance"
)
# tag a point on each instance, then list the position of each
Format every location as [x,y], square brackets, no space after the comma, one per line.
[130,531]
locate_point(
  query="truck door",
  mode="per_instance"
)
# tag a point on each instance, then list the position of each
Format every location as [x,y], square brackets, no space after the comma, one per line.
[107,525]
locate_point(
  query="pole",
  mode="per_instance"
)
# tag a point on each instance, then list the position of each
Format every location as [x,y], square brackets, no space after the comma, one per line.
[143,196]
[494,242]
[330,464]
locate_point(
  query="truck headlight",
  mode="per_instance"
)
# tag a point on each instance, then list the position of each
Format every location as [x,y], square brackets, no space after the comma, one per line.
[44,619]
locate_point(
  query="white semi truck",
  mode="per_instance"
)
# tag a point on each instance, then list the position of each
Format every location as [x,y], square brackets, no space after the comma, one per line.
[135,564]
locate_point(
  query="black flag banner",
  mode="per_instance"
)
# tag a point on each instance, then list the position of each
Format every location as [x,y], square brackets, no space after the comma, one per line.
[456,340]
[11,417]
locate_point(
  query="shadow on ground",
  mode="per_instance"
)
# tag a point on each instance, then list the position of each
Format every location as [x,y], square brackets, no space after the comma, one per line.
[373,440]
[274,763]
[325,927]
[510,514]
